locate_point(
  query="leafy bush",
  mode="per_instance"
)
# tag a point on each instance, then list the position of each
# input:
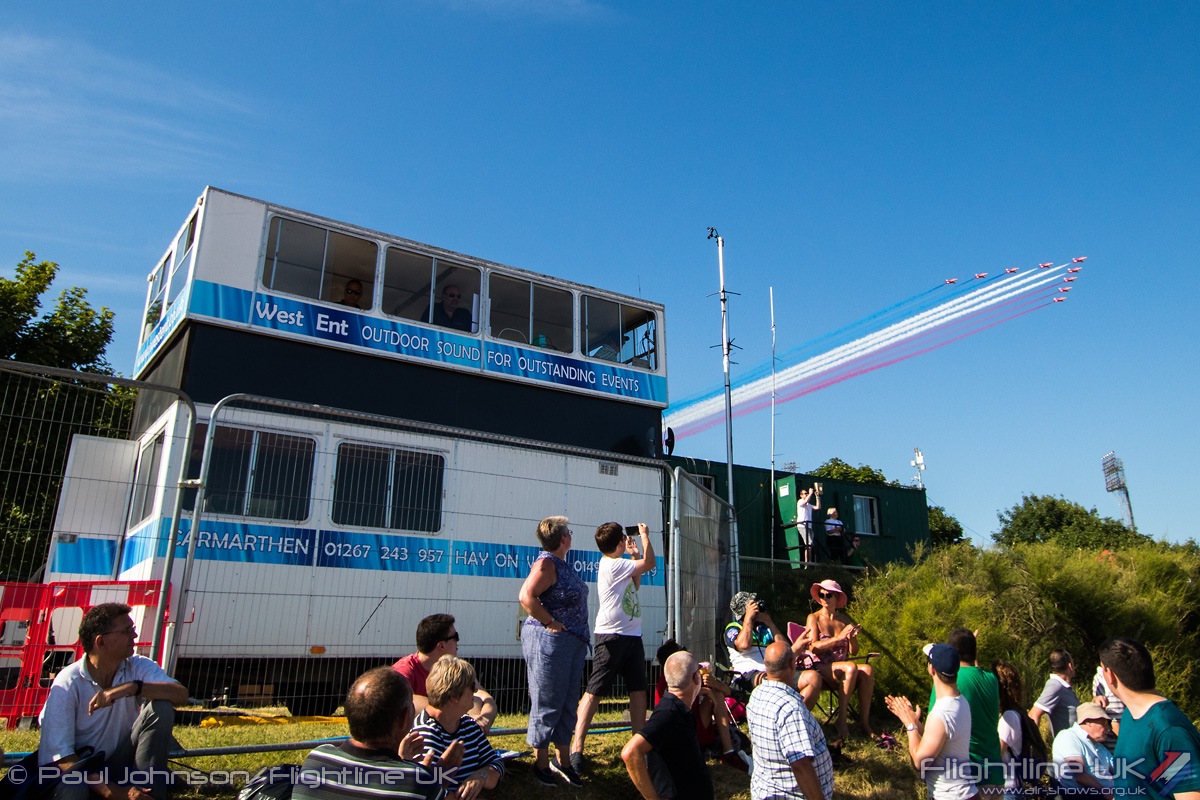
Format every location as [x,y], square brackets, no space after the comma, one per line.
[1025,601]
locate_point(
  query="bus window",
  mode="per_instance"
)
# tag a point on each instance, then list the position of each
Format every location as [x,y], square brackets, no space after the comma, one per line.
[259,474]
[509,299]
[180,268]
[425,289]
[600,328]
[318,263]
[640,348]
[379,487]
[617,332]
[553,325]
[154,306]
[455,298]
[145,482]
[531,313]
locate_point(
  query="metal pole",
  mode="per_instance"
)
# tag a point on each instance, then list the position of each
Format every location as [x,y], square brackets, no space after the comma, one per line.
[725,346]
[771,485]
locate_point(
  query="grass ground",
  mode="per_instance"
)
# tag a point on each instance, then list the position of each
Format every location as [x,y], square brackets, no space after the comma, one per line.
[868,773]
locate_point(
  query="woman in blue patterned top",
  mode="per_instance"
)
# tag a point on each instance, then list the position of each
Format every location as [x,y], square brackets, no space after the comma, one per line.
[554,640]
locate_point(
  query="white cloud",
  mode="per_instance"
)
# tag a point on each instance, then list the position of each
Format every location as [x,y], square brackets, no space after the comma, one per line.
[70,110]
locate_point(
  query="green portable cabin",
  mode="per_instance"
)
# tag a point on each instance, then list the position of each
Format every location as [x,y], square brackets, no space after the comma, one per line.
[890,519]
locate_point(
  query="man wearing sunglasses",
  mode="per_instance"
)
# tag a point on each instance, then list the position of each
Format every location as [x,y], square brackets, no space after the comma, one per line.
[437,637]
[448,313]
[111,702]
[352,294]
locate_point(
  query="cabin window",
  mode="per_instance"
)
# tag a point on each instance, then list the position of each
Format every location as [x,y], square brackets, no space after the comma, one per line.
[382,487]
[617,332]
[183,255]
[320,264]
[154,297]
[530,313]
[431,290]
[145,482]
[866,515]
[256,474]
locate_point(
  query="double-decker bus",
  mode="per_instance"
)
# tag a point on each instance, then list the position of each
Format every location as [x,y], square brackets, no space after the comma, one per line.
[381,424]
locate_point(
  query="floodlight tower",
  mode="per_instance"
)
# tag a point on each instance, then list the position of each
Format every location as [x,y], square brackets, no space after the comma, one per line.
[919,463]
[1114,481]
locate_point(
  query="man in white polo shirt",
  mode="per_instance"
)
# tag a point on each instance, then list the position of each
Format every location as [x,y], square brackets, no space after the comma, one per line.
[113,702]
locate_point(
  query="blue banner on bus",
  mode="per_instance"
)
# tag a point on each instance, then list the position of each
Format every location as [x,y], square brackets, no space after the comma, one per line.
[247,542]
[270,544]
[348,327]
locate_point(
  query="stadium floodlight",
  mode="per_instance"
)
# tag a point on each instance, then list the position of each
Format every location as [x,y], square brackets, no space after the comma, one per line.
[1114,472]
[1114,481]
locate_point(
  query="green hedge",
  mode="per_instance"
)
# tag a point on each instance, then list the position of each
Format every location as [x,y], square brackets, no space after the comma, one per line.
[1025,601]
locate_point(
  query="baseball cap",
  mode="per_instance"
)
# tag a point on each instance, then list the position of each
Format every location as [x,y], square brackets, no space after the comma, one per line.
[944,659]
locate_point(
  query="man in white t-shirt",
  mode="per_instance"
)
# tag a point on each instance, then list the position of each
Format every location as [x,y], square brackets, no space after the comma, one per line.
[940,747]
[804,514]
[618,629]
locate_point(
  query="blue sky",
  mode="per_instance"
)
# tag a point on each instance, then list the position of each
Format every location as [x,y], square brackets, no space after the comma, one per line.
[851,156]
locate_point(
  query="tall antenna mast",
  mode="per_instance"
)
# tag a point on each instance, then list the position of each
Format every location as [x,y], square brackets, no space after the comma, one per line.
[918,463]
[725,346]
[772,483]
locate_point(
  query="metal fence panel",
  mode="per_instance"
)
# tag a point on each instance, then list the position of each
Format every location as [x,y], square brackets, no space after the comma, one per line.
[325,536]
[704,568]
[72,478]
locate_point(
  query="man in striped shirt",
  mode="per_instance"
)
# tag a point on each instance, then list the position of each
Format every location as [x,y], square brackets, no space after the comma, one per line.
[379,759]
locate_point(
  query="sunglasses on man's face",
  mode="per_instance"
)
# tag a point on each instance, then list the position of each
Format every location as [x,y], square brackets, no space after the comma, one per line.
[826,595]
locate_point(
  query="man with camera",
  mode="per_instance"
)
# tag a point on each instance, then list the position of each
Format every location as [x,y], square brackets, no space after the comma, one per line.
[747,638]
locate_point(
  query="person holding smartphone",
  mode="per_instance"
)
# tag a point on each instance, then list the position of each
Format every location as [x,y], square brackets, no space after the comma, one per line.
[618,629]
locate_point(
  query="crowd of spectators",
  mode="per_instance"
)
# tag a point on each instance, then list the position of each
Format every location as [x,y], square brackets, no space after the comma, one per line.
[420,727]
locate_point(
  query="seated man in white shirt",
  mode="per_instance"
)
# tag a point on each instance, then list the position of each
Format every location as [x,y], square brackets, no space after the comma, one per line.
[1082,763]
[114,702]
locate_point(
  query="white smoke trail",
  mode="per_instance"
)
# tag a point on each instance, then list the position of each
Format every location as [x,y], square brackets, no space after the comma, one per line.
[998,291]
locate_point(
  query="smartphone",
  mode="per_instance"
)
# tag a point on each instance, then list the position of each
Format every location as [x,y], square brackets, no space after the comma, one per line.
[632,531]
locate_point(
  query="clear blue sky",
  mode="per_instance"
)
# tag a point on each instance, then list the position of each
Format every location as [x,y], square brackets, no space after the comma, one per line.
[850,154]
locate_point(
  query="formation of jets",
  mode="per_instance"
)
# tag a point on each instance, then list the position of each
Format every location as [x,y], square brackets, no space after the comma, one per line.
[1047,265]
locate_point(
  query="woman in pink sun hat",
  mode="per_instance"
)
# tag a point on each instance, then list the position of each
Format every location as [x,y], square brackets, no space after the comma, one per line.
[833,641]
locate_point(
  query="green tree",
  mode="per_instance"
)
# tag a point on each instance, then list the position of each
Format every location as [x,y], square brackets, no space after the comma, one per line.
[943,528]
[38,414]
[837,470]
[72,336]
[1056,519]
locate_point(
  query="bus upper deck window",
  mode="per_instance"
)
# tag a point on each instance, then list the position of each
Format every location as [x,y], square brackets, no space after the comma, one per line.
[431,290]
[531,313]
[618,332]
[320,264]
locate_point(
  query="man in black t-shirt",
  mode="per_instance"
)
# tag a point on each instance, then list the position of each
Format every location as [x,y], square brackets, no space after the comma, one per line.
[664,759]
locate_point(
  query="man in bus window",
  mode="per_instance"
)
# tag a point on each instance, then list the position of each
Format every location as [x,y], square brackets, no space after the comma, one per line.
[352,294]
[448,314]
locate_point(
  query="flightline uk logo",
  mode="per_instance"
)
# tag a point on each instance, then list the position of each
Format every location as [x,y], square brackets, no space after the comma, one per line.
[1175,767]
